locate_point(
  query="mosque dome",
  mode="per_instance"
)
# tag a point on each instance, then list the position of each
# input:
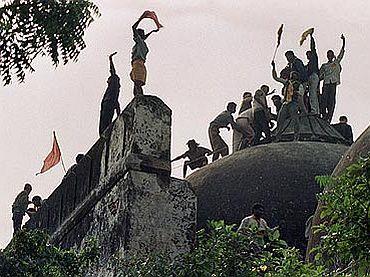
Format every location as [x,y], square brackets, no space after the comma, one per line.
[279,175]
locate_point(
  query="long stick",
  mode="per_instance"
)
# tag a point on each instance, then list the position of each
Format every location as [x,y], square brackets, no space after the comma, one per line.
[276,48]
[61,159]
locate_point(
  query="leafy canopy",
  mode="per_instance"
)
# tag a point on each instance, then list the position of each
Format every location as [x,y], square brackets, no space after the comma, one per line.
[30,28]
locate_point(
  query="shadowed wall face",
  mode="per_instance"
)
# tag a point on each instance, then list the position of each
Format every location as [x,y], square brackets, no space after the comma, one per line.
[122,195]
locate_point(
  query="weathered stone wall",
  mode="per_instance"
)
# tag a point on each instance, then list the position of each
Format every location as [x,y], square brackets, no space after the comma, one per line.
[122,194]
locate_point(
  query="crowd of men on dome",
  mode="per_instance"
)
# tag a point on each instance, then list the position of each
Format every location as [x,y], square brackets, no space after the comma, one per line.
[254,122]
[301,96]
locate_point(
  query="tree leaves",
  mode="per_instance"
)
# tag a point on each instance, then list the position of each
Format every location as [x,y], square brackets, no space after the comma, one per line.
[30,28]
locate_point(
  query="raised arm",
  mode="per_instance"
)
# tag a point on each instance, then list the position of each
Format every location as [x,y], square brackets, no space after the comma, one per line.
[313,44]
[134,27]
[274,74]
[148,34]
[111,64]
[341,53]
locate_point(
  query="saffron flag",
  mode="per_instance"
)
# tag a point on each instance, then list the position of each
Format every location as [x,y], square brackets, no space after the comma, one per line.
[53,158]
[153,16]
[279,33]
[305,34]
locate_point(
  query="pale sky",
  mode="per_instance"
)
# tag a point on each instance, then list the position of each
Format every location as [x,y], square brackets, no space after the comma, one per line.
[208,54]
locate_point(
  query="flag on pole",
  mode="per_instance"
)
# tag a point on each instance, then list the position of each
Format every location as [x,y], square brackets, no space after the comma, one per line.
[279,33]
[53,158]
[153,16]
[305,35]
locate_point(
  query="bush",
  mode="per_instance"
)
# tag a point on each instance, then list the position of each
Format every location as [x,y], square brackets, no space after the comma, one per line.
[29,254]
[345,244]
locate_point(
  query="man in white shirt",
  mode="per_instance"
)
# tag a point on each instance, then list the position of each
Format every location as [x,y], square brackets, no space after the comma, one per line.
[330,74]
[255,222]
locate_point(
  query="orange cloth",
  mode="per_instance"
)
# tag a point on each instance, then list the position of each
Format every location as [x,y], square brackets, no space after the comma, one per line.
[53,158]
[138,71]
[152,15]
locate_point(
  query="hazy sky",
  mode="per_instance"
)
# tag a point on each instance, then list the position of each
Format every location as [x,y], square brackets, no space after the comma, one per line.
[208,53]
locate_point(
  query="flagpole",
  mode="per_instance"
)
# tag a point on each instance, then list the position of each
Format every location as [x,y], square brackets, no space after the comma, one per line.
[61,156]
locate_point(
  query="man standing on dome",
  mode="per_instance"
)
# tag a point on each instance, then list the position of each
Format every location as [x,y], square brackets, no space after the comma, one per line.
[110,102]
[330,73]
[261,115]
[223,120]
[139,53]
[296,65]
[196,154]
[313,76]
[293,92]
[246,102]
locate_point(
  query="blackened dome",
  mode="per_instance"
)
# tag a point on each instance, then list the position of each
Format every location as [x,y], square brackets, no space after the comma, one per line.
[281,176]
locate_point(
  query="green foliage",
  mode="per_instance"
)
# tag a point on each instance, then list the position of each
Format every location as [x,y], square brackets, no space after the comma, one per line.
[29,28]
[224,252]
[29,254]
[345,245]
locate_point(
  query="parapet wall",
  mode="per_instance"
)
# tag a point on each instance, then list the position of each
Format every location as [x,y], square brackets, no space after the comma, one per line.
[122,194]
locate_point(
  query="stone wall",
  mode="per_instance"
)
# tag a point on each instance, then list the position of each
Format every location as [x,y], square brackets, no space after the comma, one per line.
[122,194]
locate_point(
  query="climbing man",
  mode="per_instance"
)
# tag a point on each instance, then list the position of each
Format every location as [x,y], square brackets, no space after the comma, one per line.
[330,73]
[296,65]
[138,57]
[277,101]
[313,77]
[246,102]
[110,102]
[223,120]
[19,207]
[196,155]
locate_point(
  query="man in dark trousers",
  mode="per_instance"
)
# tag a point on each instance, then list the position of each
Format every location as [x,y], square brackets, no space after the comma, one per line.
[313,77]
[261,116]
[344,129]
[19,207]
[223,120]
[196,154]
[110,102]
[330,74]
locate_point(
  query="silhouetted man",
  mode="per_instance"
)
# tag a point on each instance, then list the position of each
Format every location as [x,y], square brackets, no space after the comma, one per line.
[37,203]
[293,90]
[246,102]
[223,120]
[261,116]
[330,73]
[110,99]
[296,65]
[79,157]
[196,154]
[344,129]
[313,77]
[19,207]
[255,223]
[138,57]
